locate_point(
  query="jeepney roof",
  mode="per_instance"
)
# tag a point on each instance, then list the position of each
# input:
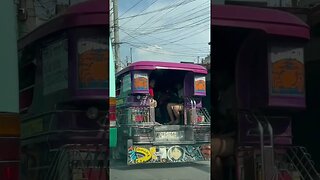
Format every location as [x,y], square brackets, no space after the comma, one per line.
[153,65]
[88,13]
[271,21]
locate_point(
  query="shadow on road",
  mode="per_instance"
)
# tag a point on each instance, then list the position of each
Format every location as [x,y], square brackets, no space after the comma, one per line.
[203,166]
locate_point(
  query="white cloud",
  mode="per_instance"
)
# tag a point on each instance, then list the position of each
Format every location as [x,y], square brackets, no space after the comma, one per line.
[156,45]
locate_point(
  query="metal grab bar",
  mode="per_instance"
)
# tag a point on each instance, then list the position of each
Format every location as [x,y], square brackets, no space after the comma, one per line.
[261,126]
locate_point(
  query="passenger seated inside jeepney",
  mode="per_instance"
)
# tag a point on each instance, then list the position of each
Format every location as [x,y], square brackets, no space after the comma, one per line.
[151,93]
[175,106]
[164,93]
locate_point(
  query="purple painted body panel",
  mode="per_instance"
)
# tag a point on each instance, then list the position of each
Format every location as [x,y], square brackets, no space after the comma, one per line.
[153,65]
[269,20]
[282,101]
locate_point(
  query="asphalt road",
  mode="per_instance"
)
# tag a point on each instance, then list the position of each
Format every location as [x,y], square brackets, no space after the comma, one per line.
[190,171]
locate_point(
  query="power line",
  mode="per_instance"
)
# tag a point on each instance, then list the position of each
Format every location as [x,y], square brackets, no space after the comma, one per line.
[175,30]
[141,11]
[157,52]
[189,36]
[151,12]
[183,45]
[145,43]
[151,18]
[183,26]
[166,28]
[185,2]
[130,8]
[184,13]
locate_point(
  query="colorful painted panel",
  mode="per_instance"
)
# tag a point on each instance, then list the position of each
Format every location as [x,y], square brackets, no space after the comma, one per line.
[93,63]
[55,66]
[287,71]
[140,83]
[200,85]
[168,154]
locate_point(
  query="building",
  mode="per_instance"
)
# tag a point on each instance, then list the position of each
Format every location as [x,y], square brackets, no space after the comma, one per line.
[33,13]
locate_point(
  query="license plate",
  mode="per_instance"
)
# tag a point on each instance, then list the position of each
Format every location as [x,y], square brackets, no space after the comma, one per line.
[167,136]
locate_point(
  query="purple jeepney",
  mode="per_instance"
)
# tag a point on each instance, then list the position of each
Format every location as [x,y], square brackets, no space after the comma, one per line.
[258,71]
[63,69]
[143,133]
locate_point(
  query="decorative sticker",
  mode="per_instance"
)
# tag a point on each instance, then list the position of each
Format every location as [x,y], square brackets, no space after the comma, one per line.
[175,153]
[168,154]
[287,71]
[200,85]
[140,82]
[93,63]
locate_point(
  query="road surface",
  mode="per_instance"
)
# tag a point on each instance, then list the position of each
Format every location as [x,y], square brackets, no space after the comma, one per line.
[190,171]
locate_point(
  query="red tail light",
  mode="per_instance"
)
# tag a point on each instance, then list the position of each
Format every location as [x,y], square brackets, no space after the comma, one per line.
[9,171]
[112,112]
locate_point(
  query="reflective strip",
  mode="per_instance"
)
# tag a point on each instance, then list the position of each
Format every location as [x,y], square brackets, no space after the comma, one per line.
[112,101]
[112,123]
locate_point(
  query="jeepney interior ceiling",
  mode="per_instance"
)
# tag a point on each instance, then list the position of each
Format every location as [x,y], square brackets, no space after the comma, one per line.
[165,78]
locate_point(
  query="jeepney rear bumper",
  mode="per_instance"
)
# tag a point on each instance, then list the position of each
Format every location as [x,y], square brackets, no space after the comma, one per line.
[169,144]
[171,134]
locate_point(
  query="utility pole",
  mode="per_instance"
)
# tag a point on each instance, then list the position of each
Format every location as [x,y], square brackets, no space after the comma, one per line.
[127,61]
[130,55]
[116,34]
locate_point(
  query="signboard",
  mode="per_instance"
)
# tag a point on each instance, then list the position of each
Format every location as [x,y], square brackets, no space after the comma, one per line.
[200,85]
[140,83]
[55,66]
[93,63]
[286,71]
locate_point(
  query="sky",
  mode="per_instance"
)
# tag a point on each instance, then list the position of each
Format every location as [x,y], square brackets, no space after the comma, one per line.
[164,30]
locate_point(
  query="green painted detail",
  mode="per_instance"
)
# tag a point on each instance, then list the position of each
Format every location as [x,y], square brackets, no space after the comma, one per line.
[112,72]
[120,102]
[32,127]
[113,137]
[9,96]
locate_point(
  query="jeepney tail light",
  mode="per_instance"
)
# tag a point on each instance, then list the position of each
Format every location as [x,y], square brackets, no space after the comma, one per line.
[9,171]
[112,112]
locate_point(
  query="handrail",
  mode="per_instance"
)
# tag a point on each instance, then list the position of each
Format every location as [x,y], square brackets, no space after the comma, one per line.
[300,157]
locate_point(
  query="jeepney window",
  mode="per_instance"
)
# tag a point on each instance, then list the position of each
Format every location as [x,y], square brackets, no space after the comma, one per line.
[55,66]
[93,65]
[126,83]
